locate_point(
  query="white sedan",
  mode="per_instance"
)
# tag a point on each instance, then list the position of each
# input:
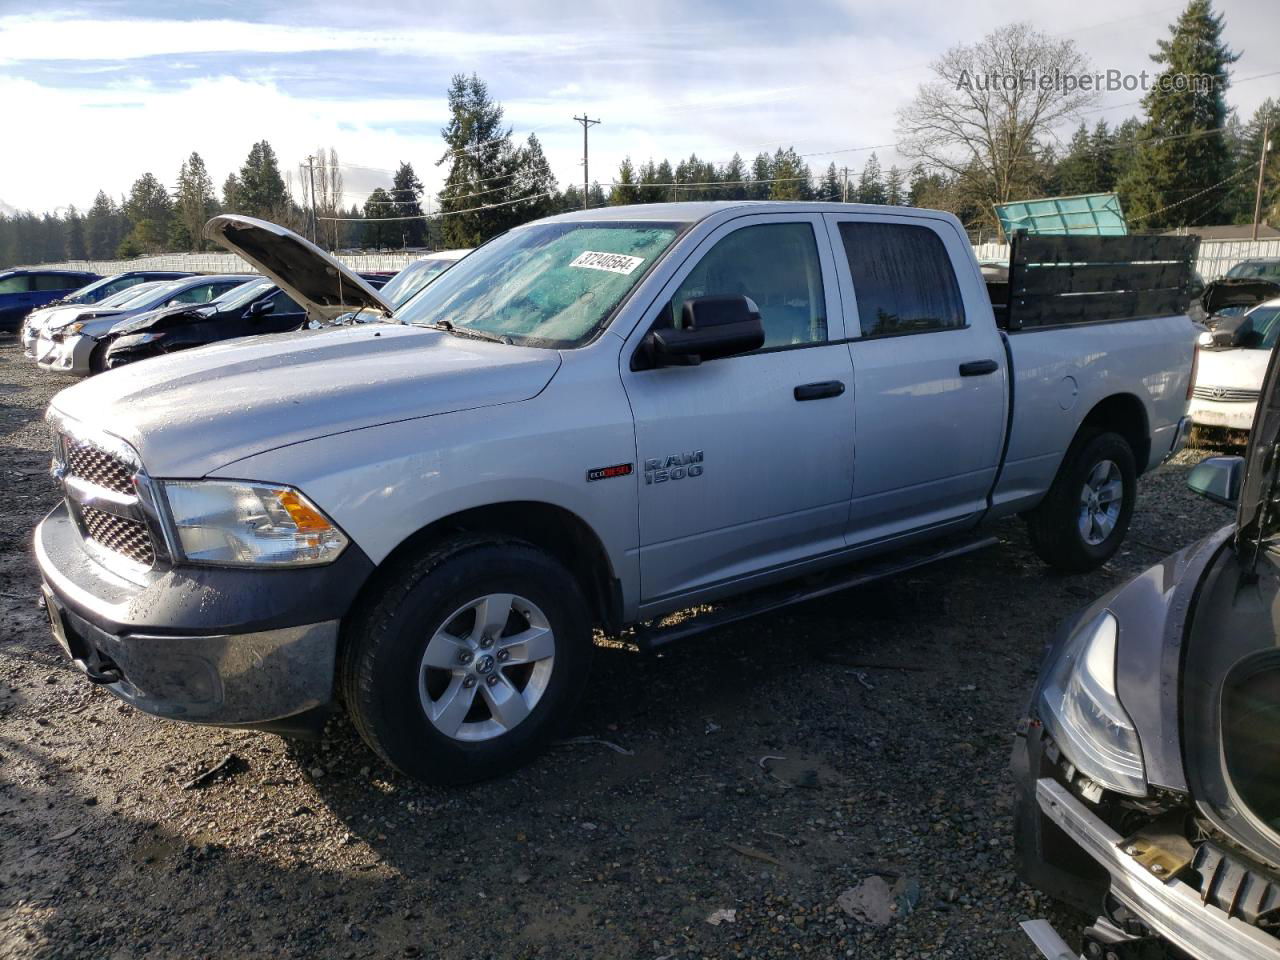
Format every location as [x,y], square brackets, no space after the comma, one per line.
[1229,380]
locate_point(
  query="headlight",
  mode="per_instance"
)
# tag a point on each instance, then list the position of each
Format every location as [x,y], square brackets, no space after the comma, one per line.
[71,329]
[250,524]
[1081,711]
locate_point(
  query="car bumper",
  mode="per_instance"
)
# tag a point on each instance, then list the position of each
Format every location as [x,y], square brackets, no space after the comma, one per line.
[221,646]
[1070,852]
[70,355]
[1213,413]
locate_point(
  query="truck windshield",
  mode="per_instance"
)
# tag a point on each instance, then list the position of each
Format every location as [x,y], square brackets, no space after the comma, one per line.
[550,284]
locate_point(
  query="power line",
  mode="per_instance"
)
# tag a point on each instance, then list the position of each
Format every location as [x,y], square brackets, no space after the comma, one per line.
[587,124]
[436,216]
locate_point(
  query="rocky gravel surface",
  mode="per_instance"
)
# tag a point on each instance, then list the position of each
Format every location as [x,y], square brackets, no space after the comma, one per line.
[750,777]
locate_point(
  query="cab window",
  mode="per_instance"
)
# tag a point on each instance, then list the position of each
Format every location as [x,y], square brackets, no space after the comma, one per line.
[776,265]
[902,279]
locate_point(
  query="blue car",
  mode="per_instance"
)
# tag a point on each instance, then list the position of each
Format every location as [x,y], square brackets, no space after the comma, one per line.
[21,291]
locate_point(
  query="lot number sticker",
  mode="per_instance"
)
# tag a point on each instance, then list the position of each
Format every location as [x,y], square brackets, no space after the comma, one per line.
[611,262]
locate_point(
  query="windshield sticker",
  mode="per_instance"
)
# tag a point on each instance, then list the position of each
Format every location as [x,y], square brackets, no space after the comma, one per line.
[611,262]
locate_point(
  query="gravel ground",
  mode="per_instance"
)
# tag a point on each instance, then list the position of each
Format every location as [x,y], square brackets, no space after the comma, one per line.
[892,705]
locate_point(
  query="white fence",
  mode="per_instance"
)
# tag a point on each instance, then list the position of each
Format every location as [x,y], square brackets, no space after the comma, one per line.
[1216,256]
[225,263]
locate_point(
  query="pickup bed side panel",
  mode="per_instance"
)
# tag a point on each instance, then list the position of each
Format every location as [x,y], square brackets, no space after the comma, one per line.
[1061,374]
[383,484]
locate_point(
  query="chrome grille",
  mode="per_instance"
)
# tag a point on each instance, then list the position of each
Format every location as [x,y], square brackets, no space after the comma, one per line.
[98,467]
[127,537]
[1226,394]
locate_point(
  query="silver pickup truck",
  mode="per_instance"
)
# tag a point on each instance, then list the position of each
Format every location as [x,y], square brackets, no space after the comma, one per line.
[592,421]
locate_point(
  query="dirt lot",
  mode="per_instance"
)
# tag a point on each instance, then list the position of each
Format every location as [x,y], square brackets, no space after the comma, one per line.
[893,707]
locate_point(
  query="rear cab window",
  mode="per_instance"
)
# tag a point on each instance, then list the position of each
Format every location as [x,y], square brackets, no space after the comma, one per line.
[903,279]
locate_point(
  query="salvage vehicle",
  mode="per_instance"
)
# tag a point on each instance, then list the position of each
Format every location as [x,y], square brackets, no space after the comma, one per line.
[73,343]
[23,290]
[254,308]
[592,421]
[1146,768]
[1231,364]
[96,292]
[401,287]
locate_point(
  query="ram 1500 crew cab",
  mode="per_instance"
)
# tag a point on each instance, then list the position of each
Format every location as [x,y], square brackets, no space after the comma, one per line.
[591,421]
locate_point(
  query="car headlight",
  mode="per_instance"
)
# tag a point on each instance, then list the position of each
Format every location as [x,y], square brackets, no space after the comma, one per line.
[250,524]
[71,329]
[1082,713]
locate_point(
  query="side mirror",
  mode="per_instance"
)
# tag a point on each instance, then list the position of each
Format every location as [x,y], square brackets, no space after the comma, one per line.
[1220,338]
[1219,479]
[713,327]
[260,308]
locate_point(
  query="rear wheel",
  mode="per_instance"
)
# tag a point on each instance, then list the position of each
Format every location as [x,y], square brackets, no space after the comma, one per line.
[1083,518]
[468,660]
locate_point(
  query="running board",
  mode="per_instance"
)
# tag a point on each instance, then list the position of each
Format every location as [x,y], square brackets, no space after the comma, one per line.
[648,637]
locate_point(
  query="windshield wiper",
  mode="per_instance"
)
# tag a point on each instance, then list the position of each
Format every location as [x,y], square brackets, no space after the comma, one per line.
[448,327]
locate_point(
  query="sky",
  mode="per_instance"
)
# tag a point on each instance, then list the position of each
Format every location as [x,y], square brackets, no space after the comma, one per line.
[96,93]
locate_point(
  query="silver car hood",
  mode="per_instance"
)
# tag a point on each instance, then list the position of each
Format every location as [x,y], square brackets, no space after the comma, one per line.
[192,412]
[317,281]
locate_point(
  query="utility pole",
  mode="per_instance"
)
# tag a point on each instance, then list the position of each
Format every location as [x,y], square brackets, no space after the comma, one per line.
[311,172]
[587,124]
[1262,166]
[844,187]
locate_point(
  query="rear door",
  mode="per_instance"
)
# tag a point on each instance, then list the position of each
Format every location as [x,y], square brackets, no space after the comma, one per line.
[15,296]
[929,370]
[745,462]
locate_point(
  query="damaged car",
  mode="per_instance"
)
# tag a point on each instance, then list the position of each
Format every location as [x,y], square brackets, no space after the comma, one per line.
[1149,789]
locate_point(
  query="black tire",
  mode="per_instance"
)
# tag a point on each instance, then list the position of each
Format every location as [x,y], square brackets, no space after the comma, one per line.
[1055,525]
[382,665]
[98,358]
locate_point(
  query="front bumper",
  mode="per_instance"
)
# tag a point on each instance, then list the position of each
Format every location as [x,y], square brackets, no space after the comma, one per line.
[222,646]
[69,355]
[1219,413]
[1171,908]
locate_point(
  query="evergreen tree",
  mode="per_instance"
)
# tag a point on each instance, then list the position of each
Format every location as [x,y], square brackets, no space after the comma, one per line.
[734,177]
[76,247]
[895,191]
[150,210]
[378,232]
[761,174]
[105,227]
[1076,172]
[1173,171]
[260,191]
[625,191]
[871,182]
[406,192]
[534,184]
[1124,152]
[195,204]
[791,176]
[666,176]
[1246,150]
[481,162]
[231,194]
[832,187]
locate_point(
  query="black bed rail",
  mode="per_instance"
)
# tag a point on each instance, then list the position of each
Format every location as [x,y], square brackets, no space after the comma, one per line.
[1059,280]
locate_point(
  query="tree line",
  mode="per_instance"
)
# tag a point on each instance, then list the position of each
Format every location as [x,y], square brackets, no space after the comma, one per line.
[1186,161]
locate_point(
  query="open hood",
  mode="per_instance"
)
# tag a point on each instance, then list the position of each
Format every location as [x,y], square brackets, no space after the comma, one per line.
[1237,292]
[316,280]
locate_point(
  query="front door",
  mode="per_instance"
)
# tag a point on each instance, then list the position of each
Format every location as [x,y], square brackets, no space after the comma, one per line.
[745,462]
[929,370]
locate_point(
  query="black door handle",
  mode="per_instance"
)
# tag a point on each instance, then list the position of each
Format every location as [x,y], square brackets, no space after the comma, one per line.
[819,391]
[978,368]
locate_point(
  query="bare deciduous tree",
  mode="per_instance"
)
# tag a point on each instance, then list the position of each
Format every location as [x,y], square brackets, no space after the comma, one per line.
[987,117]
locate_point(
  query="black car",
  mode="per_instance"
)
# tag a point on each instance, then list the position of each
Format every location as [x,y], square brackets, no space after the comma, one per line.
[1148,766]
[256,307]
[23,290]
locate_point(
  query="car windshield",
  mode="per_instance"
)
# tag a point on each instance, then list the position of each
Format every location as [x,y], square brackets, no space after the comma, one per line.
[86,293]
[1265,269]
[1260,330]
[413,278]
[549,284]
[244,294]
[127,296]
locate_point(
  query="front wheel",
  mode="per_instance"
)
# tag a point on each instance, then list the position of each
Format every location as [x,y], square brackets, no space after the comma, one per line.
[1083,518]
[468,661]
